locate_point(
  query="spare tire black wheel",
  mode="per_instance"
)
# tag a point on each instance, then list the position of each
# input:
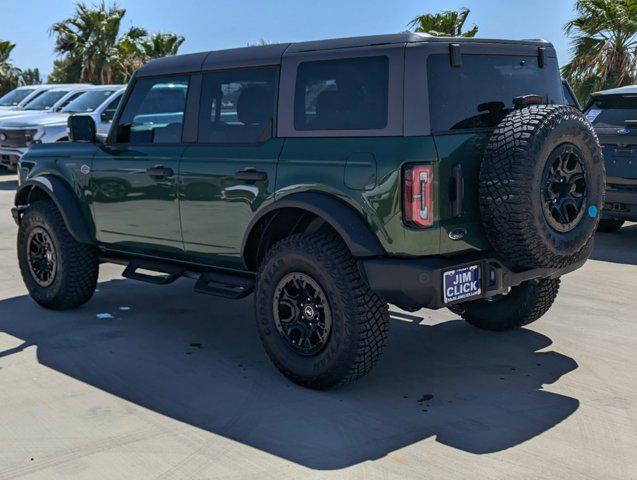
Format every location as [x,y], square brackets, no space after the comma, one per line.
[542,187]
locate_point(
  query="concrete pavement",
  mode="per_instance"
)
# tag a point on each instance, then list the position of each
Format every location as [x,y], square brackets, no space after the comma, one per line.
[160,382]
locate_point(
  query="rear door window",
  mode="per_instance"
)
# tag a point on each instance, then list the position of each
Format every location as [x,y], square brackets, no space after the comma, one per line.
[237,106]
[480,93]
[154,112]
[344,94]
[612,111]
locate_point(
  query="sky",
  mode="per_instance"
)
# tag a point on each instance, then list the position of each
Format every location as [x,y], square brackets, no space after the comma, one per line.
[217,24]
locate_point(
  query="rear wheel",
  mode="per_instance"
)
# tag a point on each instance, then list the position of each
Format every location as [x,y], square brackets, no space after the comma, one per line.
[58,271]
[524,304]
[609,226]
[318,320]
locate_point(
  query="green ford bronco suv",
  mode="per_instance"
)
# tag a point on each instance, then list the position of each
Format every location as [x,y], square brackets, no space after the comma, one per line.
[331,178]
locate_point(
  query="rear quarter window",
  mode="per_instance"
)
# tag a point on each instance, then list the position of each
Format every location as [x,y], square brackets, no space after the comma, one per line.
[480,93]
[343,94]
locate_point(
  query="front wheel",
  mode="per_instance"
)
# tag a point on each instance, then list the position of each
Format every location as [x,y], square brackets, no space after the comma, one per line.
[318,320]
[523,304]
[58,271]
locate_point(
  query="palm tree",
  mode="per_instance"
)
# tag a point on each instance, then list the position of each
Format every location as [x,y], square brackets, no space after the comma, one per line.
[90,36]
[10,75]
[445,24]
[162,44]
[90,42]
[603,43]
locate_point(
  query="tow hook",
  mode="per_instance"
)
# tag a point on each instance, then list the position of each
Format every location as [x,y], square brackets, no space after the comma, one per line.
[17,213]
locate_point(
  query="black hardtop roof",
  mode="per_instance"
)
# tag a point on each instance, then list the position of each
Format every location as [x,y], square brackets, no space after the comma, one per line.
[271,54]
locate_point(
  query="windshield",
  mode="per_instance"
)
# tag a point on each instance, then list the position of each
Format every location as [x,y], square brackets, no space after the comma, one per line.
[612,111]
[88,102]
[480,92]
[47,100]
[14,97]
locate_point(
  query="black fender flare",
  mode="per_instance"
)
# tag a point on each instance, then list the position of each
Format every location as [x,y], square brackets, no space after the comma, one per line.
[356,233]
[64,199]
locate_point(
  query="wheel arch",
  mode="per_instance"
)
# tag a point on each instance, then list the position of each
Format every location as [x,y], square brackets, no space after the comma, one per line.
[307,211]
[65,200]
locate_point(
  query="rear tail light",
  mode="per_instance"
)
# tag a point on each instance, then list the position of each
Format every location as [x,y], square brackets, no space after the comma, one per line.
[418,191]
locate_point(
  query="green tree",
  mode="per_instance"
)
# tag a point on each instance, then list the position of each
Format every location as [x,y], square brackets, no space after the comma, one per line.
[31,76]
[603,43]
[162,44]
[444,24]
[65,70]
[92,49]
[10,75]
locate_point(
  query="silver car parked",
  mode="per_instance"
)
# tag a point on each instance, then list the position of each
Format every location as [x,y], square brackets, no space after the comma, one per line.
[20,97]
[18,134]
[52,100]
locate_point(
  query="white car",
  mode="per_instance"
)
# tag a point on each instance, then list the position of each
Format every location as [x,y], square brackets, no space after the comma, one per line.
[52,100]
[20,97]
[18,134]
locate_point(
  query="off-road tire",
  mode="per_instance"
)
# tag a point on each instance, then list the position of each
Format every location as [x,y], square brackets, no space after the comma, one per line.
[511,186]
[77,264]
[524,304]
[609,225]
[359,317]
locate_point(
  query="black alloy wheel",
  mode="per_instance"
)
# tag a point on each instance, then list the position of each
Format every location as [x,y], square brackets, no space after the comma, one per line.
[564,188]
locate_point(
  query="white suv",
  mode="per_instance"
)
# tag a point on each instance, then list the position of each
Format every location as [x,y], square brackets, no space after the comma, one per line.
[20,97]
[18,134]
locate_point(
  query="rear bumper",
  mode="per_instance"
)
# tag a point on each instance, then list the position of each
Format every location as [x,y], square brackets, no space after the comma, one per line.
[621,201]
[416,283]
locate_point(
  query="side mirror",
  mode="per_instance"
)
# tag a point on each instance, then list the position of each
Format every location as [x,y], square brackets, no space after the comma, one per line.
[82,129]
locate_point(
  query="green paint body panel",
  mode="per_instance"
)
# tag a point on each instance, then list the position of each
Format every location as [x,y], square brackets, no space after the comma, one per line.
[215,208]
[132,210]
[201,213]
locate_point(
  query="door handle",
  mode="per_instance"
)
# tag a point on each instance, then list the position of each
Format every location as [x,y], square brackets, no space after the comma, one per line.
[250,176]
[160,172]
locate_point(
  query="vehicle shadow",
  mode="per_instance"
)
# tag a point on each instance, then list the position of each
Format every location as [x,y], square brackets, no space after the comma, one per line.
[617,247]
[198,359]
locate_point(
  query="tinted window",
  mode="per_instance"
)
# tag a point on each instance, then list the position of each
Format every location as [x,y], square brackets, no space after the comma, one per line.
[612,111]
[109,112]
[348,94]
[69,100]
[154,112]
[237,106]
[14,97]
[88,101]
[480,92]
[47,100]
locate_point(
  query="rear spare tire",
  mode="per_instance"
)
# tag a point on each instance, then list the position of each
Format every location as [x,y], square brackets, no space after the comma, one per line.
[542,187]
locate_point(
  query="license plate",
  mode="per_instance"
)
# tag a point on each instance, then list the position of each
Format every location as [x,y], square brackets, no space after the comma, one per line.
[461,283]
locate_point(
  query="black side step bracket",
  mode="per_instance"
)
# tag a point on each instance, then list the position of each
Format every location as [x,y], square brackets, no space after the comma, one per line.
[224,285]
[170,272]
[219,284]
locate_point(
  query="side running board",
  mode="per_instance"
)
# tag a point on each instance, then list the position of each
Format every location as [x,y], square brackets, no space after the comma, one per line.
[224,285]
[168,273]
[219,284]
